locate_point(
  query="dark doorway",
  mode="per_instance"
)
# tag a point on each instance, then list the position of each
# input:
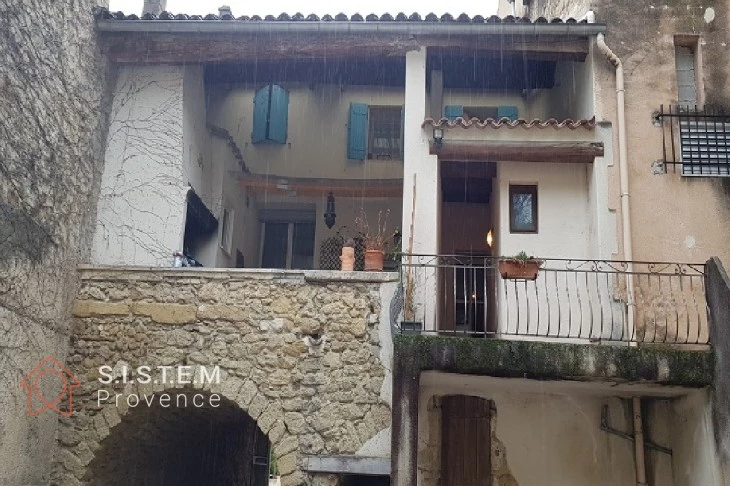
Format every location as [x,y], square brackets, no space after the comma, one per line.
[466,275]
[359,480]
[183,446]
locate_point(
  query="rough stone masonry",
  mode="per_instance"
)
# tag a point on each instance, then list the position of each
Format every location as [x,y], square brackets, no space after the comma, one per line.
[305,357]
[51,123]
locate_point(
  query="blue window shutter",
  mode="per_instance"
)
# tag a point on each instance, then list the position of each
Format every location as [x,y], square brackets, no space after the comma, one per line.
[260,114]
[357,131]
[507,112]
[452,112]
[278,114]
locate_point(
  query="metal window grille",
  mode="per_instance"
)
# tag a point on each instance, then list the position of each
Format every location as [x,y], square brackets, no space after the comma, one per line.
[696,139]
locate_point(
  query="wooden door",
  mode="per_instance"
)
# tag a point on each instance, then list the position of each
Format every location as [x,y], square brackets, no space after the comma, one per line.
[465,441]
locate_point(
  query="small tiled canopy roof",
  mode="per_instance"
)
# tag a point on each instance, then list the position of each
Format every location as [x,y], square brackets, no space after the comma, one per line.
[506,122]
[104,14]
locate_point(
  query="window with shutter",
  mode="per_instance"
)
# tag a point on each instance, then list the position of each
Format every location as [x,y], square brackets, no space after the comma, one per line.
[507,112]
[452,112]
[357,131]
[270,115]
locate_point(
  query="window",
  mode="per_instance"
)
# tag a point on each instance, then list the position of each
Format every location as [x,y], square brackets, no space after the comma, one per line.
[452,112]
[384,132]
[287,239]
[523,209]
[226,234]
[687,68]
[270,115]
[375,132]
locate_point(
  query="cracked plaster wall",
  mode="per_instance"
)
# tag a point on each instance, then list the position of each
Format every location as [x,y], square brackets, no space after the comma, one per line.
[549,439]
[52,81]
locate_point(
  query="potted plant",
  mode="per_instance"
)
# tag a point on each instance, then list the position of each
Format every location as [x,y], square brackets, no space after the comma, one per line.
[375,240]
[409,324]
[520,267]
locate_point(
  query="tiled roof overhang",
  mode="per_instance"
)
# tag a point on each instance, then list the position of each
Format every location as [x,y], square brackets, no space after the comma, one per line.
[397,24]
[507,123]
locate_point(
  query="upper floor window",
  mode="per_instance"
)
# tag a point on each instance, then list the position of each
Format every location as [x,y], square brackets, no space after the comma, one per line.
[687,69]
[270,114]
[375,132]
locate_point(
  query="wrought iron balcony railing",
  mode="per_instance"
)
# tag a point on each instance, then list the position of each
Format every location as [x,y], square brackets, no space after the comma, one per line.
[579,300]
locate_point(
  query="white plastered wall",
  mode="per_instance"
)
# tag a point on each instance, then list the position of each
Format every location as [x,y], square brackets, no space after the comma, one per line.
[141,212]
[564,212]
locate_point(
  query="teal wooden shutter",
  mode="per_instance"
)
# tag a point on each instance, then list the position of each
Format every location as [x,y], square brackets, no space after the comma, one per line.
[357,131]
[452,112]
[260,114]
[507,112]
[278,114]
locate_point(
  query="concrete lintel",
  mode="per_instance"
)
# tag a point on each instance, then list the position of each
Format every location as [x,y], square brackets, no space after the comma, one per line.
[368,466]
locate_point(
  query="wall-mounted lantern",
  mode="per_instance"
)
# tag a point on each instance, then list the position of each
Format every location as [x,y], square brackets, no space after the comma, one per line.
[329,214]
[438,136]
[490,238]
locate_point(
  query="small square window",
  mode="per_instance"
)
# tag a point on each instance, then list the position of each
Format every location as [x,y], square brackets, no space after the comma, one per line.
[523,209]
[385,140]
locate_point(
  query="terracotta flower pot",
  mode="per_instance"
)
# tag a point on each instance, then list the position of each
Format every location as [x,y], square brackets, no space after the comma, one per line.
[348,259]
[519,269]
[374,260]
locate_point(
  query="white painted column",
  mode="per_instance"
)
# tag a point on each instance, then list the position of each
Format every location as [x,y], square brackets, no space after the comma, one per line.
[421,191]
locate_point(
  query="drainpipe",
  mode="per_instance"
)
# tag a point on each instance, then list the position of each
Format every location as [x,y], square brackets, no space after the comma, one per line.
[639,442]
[623,157]
[623,164]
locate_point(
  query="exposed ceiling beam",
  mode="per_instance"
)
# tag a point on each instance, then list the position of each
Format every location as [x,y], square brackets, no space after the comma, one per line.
[316,187]
[566,152]
[153,48]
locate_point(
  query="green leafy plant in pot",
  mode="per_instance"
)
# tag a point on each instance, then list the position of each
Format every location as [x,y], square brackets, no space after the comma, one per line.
[520,267]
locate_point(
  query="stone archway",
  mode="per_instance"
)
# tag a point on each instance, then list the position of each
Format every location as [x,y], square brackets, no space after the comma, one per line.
[187,441]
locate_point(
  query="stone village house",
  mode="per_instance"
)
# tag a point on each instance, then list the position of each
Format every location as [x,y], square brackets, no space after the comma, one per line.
[588,133]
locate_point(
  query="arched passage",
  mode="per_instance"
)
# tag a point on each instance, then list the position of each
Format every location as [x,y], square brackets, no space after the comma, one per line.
[187,440]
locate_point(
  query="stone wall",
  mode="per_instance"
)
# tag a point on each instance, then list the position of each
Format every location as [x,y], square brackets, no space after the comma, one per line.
[51,99]
[305,354]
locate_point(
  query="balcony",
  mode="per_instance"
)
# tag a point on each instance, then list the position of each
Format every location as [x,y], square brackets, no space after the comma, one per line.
[570,301]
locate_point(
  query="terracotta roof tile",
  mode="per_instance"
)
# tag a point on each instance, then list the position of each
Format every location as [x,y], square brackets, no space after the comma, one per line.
[105,14]
[506,122]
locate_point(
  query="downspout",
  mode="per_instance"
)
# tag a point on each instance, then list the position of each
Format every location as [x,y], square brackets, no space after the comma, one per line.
[626,229]
[623,157]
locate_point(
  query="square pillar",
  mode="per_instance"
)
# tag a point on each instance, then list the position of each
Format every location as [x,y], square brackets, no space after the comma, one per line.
[421,191]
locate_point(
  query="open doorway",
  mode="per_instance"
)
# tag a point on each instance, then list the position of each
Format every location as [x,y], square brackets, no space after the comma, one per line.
[467,276]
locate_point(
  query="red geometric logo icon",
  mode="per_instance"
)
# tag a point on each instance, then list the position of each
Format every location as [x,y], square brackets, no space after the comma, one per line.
[49,374]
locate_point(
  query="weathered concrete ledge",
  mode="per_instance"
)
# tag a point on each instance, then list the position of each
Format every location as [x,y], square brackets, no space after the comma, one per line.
[143,273]
[555,361]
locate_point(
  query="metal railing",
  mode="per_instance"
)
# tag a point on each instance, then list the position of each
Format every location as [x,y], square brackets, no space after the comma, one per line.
[696,139]
[582,300]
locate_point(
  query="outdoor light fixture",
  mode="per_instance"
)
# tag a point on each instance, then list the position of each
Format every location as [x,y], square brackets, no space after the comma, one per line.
[438,136]
[329,214]
[490,238]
